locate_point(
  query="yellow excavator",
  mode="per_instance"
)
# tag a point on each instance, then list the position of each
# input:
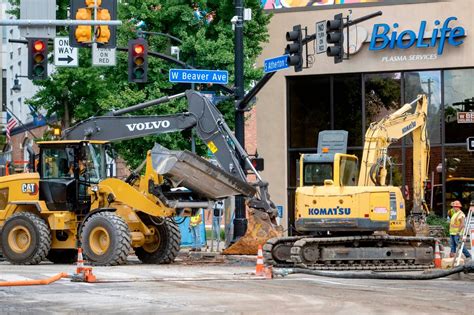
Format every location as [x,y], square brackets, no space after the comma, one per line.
[70,200]
[345,216]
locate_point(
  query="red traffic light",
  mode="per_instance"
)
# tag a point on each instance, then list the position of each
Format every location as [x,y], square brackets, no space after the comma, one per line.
[138,49]
[39,45]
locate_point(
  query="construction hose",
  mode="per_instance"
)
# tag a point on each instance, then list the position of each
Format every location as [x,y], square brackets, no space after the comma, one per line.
[34,282]
[469,268]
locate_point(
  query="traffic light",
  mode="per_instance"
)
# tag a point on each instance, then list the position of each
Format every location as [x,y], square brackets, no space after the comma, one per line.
[295,49]
[137,60]
[83,35]
[37,58]
[335,35]
[257,163]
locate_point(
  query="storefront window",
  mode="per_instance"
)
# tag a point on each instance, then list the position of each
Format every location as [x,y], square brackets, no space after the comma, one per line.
[458,97]
[382,95]
[428,83]
[309,109]
[348,106]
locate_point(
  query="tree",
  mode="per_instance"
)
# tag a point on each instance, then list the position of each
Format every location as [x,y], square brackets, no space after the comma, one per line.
[207,36]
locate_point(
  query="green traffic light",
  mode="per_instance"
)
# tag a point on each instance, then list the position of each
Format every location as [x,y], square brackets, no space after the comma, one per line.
[38,70]
[138,73]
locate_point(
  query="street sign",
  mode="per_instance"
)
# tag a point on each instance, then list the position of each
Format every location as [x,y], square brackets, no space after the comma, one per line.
[275,64]
[470,144]
[103,56]
[465,117]
[38,10]
[65,55]
[198,76]
[320,44]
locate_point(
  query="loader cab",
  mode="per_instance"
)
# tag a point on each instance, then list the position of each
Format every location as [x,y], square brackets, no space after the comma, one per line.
[67,169]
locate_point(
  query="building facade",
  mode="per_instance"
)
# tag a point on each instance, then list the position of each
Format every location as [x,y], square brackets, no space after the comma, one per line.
[415,47]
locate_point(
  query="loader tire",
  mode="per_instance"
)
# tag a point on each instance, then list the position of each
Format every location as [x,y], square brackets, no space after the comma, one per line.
[26,239]
[62,256]
[106,239]
[166,245]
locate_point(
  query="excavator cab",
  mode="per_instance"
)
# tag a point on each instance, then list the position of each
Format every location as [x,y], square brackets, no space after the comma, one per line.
[67,169]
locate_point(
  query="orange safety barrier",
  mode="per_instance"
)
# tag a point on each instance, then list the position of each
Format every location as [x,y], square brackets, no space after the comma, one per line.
[34,282]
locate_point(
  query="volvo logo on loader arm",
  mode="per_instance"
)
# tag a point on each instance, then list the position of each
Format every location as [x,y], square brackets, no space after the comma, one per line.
[149,125]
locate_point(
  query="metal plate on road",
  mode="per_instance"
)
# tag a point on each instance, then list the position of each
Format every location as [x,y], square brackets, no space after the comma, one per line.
[198,76]
[65,55]
[275,64]
[103,56]
[320,44]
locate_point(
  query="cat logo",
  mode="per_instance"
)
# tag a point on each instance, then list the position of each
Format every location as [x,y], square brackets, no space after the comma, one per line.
[31,189]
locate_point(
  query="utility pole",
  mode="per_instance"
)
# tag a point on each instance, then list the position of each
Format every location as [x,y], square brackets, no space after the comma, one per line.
[240,221]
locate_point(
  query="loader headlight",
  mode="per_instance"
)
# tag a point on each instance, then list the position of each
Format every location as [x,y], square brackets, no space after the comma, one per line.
[95,188]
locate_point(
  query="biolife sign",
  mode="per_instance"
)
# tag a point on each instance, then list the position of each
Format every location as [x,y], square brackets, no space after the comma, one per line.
[385,36]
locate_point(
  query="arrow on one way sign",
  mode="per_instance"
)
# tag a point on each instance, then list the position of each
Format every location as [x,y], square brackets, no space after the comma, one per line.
[65,55]
[68,59]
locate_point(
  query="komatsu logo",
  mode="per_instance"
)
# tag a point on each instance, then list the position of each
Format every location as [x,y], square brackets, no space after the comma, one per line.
[409,127]
[149,125]
[329,211]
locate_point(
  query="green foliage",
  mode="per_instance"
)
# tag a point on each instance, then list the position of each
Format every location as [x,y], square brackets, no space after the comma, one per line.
[77,93]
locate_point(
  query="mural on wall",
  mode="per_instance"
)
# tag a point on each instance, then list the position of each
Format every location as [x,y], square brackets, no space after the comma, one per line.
[278,4]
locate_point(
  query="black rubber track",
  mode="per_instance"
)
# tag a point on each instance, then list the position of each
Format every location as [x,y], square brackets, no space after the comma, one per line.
[120,239]
[170,240]
[41,239]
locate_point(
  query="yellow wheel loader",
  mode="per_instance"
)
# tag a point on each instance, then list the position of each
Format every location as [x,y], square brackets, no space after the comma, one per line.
[348,219]
[70,200]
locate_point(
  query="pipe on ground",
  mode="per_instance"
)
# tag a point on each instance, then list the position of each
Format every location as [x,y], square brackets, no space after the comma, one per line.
[34,282]
[468,268]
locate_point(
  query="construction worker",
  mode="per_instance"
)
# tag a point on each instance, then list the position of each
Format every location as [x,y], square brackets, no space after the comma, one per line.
[456,228]
[216,212]
[194,226]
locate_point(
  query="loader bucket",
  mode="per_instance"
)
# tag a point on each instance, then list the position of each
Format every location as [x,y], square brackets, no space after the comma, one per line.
[189,170]
[259,230]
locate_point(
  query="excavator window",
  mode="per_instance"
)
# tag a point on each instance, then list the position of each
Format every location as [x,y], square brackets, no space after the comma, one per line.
[316,173]
[348,171]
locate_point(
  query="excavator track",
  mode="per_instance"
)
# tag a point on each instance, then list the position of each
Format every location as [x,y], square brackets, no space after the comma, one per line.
[375,252]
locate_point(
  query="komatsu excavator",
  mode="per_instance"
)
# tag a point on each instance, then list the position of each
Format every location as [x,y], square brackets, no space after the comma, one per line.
[70,201]
[345,217]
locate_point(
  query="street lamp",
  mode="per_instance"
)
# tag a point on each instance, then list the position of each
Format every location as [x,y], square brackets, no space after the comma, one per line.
[16,83]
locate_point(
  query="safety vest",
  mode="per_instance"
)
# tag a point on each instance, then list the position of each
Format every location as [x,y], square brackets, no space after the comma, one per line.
[455,223]
[196,219]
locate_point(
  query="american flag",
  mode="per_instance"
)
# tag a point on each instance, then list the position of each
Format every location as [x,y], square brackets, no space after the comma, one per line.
[11,123]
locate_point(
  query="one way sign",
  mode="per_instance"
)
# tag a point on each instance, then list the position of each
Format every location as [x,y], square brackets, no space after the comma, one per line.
[65,55]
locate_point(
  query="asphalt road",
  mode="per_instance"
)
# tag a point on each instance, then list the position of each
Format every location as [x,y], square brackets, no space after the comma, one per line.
[225,287]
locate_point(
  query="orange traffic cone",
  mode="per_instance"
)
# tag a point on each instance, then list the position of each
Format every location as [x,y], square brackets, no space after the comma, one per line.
[260,268]
[80,261]
[437,256]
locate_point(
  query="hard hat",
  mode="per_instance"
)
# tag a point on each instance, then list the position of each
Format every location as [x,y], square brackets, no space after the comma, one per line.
[456,204]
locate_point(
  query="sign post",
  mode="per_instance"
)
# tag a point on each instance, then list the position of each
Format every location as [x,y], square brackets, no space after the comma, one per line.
[103,56]
[65,55]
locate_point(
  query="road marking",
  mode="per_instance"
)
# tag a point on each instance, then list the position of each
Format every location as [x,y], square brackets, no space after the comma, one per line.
[13,277]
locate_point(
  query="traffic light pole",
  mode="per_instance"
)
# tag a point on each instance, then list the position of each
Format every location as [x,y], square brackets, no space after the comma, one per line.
[240,220]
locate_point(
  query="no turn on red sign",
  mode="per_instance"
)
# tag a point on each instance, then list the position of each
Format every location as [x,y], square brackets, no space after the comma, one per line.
[103,56]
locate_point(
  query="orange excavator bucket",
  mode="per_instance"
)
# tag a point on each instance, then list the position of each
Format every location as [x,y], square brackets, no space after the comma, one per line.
[260,229]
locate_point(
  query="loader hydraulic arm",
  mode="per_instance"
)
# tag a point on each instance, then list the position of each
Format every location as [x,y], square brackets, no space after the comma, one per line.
[390,129]
[202,115]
